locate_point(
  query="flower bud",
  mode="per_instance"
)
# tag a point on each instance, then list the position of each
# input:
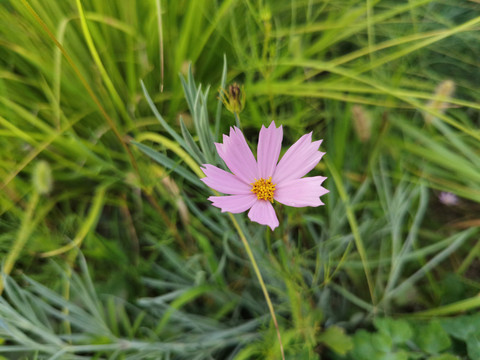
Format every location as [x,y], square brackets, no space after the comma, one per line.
[361,123]
[444,90]
[234,100]
[42,178]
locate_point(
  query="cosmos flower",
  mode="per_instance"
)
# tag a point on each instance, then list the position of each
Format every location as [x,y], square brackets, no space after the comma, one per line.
[255,184]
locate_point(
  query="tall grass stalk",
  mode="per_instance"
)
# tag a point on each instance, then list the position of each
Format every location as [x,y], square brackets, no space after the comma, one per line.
[260,280]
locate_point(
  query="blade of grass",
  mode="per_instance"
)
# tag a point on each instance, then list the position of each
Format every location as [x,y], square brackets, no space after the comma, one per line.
[84,82]
[354,226]
[88,225]
[260,280]
[24,232]
[173,146]
[456,241]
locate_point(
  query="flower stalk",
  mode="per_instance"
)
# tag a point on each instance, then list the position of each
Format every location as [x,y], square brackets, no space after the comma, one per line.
[260,280]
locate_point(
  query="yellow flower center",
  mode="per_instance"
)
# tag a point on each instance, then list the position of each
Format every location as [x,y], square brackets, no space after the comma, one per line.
[264,189]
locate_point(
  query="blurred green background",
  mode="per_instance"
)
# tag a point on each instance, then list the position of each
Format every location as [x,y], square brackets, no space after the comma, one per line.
[113,255]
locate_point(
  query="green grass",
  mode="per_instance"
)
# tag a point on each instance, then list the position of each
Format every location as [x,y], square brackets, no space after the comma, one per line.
[124,257]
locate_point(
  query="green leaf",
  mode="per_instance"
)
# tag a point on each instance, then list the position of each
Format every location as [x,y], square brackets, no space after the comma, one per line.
[462,327]
[382,342]
[445,357]
[218,114]
[416,356]
[473,345]
[398,330]
[101,340]
[169,164]
[335,338]
[363,348]
[369,346]
[401,355]
[160,118]
[431,338]
[192,147]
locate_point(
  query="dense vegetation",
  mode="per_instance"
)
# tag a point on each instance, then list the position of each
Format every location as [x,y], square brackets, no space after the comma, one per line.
[110,249]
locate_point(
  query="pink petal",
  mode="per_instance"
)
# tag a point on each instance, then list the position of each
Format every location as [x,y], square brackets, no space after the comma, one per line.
[263,213]
[269,146]
[299,159]
[301,192]
[238,156]
[234,203]
[224,182]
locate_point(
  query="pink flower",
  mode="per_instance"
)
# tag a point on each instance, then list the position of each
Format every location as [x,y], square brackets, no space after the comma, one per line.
[254,184]
[449,199]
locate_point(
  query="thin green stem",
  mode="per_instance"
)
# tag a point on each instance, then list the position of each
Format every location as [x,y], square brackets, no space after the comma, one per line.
[23,235]
[354,226]
[472,255]
[160,45]
[260,279]
[101,68]
[237,119]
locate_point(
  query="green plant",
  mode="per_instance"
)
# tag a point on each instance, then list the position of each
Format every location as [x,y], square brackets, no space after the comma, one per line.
[384,243]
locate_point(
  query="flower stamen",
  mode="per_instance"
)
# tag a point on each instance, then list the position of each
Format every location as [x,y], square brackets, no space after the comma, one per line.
[264,189]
